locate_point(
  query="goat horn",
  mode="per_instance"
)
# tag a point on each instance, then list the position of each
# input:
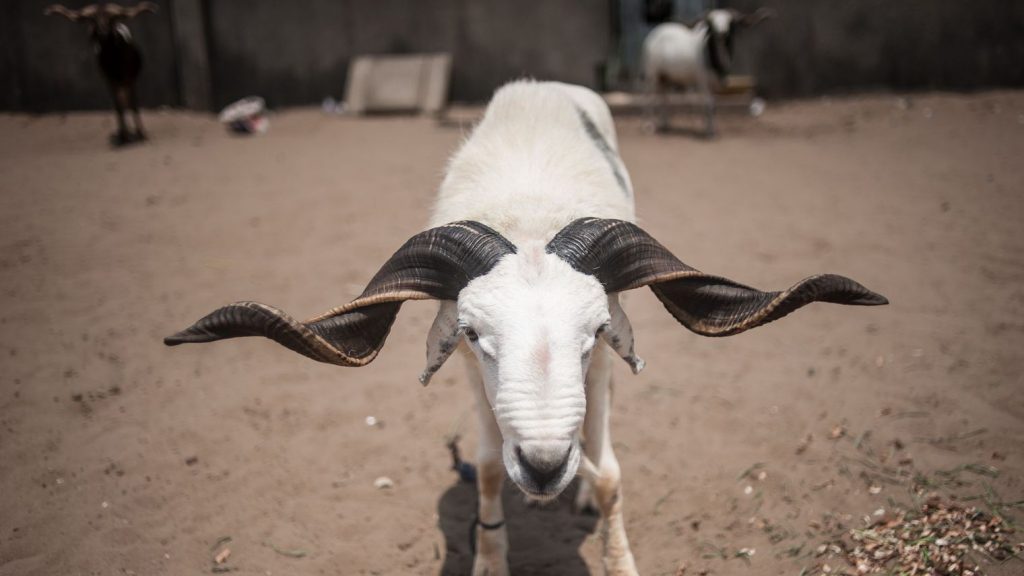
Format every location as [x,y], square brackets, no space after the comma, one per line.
[64,11]
[622,256]
[435,264]
[756,17]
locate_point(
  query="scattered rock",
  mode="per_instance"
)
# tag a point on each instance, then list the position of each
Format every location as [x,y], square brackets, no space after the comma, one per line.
[804,444]
[222,556]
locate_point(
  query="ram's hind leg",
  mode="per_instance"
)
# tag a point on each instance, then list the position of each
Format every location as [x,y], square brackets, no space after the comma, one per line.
[140,134]
[607,489]
[120,95]
[707,97]
[491,535]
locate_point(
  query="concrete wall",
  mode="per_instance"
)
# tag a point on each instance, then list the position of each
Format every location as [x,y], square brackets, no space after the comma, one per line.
[206,53]
[822,46]
[47,62]
[298,52]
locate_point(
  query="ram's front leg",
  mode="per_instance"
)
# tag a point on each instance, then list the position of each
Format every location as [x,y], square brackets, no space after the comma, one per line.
[707,97]
[490,533]
[607,487]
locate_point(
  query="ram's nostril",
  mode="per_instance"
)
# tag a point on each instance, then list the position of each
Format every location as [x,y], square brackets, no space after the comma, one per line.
[540,469]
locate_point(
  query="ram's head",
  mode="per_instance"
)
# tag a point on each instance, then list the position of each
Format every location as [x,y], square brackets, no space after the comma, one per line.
[723,26]
[532,315]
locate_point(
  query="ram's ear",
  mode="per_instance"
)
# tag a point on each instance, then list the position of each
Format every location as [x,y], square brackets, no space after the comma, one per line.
[619,335]
[442,339]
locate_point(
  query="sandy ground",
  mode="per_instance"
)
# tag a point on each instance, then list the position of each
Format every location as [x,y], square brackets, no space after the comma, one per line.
[121,456]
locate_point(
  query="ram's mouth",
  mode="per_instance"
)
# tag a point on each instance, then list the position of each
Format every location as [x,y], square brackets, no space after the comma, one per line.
[542,485]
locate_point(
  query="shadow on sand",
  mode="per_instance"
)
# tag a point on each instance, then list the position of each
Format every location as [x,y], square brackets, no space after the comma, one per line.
[542,540]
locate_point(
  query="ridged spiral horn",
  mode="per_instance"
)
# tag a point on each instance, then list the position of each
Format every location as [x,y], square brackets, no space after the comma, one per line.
[755,17]
[60,9]
[118,11]
[622,256]
[435,264]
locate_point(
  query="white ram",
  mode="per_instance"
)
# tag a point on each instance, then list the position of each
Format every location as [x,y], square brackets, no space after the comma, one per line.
[532,241]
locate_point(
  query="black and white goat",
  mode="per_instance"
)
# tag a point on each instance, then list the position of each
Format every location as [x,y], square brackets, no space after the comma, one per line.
[531,241]
[118,57]
[696,56]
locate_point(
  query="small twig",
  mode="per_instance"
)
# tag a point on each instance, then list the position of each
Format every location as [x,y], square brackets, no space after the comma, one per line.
[660,501]
[749,471]
[911,414]
[951,439]
[296,553]
[861,438]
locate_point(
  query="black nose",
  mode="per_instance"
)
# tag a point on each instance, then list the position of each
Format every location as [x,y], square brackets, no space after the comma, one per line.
[542,471]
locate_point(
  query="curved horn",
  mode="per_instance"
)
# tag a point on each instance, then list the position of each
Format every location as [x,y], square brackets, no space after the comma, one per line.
[435,264]
[118,11]
[756,17]
[622,257]
[73,15]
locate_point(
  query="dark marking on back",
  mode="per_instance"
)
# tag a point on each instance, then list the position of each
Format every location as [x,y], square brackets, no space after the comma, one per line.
[606,150]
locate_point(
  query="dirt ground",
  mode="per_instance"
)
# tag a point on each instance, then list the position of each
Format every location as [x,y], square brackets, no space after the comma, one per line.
[741,455]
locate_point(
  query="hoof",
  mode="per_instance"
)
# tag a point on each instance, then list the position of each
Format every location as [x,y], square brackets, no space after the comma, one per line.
[585,503]
[119,139]
[620,566]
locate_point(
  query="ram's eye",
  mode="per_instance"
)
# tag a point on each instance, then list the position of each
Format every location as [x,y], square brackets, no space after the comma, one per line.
[471,335]
[600,330]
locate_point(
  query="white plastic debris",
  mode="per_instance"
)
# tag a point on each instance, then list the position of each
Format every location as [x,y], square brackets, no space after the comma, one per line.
[757,106]
[383,483]
[372,421]
[246,116]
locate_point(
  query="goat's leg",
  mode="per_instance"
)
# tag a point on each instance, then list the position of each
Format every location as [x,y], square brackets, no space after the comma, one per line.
[140,134]
[708,98]
[120,103]
[662,89]
[490,532]
[650,91]
[607,487]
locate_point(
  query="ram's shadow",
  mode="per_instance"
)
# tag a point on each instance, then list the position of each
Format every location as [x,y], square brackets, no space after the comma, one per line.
[542,540]
[693,132]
